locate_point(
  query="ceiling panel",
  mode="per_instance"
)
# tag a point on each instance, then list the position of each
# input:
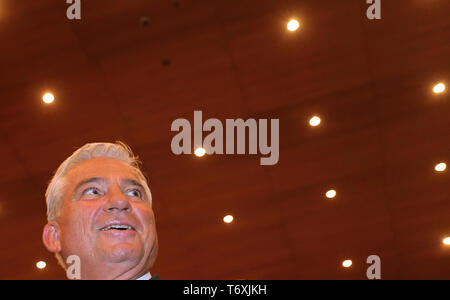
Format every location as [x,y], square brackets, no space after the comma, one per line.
[370,81]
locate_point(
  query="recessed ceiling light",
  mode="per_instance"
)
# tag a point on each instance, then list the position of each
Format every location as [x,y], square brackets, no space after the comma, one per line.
[446,241]
[200,151]
[439,88]
[293,25]
[41,264]
[166,62]
[145,21]
[331,194]
[440,167]
[48,98]
[347,263]
[228,219]
[314,121]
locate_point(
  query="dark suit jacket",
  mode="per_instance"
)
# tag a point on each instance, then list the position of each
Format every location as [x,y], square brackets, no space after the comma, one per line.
[155,277]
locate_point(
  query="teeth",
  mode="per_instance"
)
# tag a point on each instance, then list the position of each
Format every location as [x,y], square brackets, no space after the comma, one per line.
[116,227]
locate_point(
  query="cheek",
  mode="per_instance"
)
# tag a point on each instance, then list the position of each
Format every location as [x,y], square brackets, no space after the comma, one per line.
[80,219]
[147,219]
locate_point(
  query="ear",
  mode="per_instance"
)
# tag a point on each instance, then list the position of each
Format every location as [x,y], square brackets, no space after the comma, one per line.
[50,237]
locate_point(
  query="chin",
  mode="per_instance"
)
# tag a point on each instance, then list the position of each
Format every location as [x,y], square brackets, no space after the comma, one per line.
[123,252]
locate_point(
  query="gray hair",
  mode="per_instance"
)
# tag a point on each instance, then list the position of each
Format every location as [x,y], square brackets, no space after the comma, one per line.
[56,188]
[119,150]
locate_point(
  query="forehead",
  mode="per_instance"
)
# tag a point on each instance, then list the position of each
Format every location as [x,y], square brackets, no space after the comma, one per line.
[105,167]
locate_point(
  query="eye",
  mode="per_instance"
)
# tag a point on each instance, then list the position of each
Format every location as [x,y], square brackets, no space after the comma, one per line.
[91,191]
[135,193]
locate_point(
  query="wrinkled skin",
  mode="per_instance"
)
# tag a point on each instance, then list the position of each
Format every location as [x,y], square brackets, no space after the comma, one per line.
[112,196]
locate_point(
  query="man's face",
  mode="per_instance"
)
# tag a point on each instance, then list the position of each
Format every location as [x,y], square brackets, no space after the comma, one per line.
[107,220]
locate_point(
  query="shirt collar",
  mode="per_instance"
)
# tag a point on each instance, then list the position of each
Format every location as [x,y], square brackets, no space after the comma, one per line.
[146,276]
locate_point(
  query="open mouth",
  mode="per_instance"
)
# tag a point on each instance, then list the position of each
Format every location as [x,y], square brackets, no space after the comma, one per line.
[117,227]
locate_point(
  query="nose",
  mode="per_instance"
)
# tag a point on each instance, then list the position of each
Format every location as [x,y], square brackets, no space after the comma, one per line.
[117,201]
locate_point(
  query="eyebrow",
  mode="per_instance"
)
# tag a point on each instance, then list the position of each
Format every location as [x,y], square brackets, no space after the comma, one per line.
[87,181]
[128,181]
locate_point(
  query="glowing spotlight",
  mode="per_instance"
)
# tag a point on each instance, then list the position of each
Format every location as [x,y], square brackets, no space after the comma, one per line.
[41,264]
[439,88]
[331,194]
[200,151]
[48,98]
[293,25]
[347,263]
[228,219]
[314,121]
[440,167]
[446,241]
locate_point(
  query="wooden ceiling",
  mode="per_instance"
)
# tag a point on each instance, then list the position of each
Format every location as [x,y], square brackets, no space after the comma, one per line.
[382,131]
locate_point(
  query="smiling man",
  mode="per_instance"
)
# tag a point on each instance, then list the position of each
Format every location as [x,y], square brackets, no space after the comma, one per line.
[99,208]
